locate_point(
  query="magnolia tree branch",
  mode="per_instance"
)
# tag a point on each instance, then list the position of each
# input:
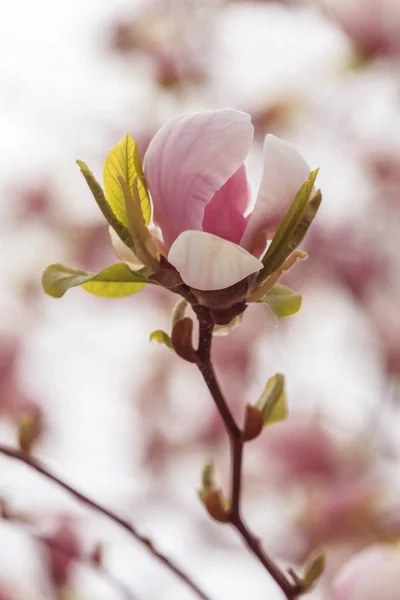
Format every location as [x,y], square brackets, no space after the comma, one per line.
[145,541]
[290,588]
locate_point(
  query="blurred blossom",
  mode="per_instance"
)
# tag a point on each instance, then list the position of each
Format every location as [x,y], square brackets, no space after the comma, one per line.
[4,594]
[91,246]
[275,116]
[373,574]
[33,202]
[383,313]
[337,490]
[372,25]
[171,38]
[299,449]
[385,169]
[63,547]
[346,254]
[14,401]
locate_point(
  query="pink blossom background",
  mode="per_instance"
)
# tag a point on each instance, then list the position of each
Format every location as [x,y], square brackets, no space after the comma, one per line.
[123,419]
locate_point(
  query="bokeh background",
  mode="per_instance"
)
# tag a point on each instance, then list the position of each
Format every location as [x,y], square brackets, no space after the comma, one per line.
[123,419]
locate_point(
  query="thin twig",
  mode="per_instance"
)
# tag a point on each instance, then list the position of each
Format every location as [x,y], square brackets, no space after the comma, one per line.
[145,541]
[204,363]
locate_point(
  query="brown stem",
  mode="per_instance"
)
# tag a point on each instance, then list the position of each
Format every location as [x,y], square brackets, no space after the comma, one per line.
[204,363]
[167,562]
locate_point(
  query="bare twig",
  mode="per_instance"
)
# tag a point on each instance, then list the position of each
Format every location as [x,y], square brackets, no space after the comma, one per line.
[289,588]
[167,562]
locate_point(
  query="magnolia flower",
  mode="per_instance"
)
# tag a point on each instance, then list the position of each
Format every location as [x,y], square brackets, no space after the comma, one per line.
[372,574]
[195,173]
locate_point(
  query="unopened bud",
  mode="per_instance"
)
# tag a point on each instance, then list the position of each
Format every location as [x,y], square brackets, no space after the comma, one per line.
[181,339]
[253,423]
[216,506]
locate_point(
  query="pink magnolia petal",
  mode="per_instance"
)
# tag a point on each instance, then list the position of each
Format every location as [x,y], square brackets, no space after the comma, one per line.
[373,574]
[224,215]
[285,171]
[189,160]
[207,262]
[124,253]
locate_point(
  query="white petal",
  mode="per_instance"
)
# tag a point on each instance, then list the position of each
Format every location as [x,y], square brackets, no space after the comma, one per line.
[224,330]
[123,252]
[285,171]
[208,262]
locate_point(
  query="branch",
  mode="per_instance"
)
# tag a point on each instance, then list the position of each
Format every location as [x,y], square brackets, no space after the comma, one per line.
[204,363]
[145,541]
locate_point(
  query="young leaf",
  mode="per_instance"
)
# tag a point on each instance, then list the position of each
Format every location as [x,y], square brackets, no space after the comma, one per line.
[98,194]
[114,282]
[313,571]
[29,430]
[293,228]
[161,337]
[272,402]
[211,496]
[208,476]
[265,285]
[282,301]
[144,247]
[124,161]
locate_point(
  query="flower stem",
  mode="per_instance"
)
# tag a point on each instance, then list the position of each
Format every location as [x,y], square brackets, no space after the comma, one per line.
[204,363]
[167,562]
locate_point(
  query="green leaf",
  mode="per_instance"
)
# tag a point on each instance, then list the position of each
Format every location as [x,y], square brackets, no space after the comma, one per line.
[161,337]
[114,282]
[104,206]
[144,247]
[313,570]
[282,301]
[295,211]
[124,160]
[272,402]
[293,228]
[208,476]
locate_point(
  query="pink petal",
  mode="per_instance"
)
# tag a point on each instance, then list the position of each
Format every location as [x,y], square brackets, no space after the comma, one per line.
[373,574]
[285,171]
[207,262]
[189,160]
[224,215]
